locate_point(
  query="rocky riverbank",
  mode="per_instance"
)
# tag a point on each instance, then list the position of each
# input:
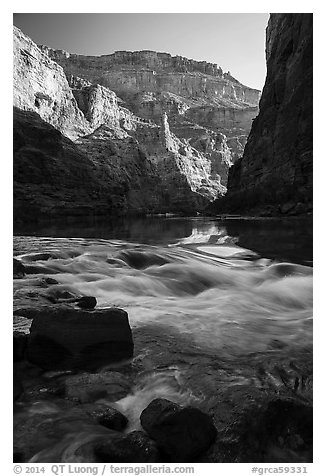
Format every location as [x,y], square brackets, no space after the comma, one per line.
[63,383]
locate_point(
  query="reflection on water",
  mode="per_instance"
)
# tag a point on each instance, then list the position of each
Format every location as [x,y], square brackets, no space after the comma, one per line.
[287,239]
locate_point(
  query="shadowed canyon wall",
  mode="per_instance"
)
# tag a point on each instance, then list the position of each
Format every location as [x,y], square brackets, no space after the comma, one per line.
[275,172]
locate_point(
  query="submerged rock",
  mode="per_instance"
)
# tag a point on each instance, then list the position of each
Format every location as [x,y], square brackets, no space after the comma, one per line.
[65,338]
[50,281]
[87,387]
[58,294]
[141,259]
[181,433]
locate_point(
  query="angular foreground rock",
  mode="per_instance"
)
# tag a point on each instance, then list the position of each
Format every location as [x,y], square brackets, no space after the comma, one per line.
[182,434]
[65,338]
[87,302]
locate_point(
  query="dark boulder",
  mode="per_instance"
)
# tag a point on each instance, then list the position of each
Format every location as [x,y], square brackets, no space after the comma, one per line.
[136,447]
[18,269]
[108,417]
[65,338]
[182,434]
[87,302]
[280,431]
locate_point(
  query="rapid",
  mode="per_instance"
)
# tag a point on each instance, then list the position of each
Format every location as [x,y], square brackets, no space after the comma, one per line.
[207,313]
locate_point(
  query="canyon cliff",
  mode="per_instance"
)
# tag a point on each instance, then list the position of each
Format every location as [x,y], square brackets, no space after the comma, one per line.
[40,85]
[275,173]
[56,177]
[203,103]
[153,133]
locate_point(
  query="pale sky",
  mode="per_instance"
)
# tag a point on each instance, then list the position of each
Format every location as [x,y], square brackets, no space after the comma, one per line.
[234,41]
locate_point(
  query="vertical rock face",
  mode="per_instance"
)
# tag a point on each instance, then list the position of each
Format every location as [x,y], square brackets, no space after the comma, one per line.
[171,153]
[98,104]
[40,85]
[276,168]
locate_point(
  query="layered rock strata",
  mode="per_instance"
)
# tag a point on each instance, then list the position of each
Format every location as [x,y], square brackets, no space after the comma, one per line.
[139,71]
[160,145]
[275,173]
[151,84]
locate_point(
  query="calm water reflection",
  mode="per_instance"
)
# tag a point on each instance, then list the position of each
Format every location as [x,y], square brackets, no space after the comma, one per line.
[287,239]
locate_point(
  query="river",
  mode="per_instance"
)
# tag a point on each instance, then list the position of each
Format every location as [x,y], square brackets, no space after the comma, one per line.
[218,308]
